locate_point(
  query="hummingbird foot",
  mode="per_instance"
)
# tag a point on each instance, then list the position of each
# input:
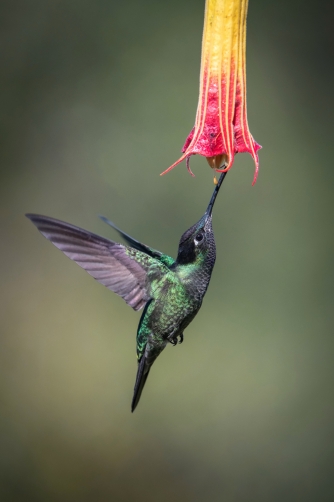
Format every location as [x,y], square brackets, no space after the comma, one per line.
[174,339]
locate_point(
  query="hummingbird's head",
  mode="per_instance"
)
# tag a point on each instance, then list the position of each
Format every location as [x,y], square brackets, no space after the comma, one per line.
[197,245]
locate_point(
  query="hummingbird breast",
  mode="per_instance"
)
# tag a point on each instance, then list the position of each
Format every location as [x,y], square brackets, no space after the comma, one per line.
[173,307]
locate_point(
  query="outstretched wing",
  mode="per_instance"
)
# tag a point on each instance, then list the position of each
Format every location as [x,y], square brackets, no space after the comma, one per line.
[108,262]
[165,259]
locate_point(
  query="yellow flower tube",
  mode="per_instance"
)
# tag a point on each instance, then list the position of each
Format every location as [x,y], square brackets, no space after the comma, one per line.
[221,127]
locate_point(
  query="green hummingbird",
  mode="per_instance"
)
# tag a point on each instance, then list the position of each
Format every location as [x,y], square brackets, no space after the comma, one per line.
[170,291]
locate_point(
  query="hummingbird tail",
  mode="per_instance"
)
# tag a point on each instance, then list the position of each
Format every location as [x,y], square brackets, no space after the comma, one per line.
[142,374]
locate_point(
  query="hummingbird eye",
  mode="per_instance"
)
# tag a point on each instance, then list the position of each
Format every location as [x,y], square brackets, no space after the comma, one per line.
[199,237]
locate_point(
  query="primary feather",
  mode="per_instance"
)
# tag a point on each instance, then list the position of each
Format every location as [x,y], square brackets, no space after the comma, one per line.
[108,262]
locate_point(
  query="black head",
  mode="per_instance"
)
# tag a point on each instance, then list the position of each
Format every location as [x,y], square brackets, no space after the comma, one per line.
[197,244]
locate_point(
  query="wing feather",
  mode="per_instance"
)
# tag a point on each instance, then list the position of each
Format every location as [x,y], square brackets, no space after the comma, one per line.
[107,261]
[164,259]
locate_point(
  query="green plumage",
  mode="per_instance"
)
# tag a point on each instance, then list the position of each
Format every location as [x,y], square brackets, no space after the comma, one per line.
[176,292]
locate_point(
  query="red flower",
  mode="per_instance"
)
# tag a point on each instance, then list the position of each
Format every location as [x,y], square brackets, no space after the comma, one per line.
[221,128]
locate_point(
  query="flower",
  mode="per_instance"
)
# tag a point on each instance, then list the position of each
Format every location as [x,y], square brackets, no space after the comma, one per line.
[221,128]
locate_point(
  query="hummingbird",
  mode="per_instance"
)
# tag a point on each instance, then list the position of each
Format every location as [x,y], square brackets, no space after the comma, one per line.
[169,291]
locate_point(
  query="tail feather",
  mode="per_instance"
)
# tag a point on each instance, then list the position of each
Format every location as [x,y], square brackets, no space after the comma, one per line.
[142,374]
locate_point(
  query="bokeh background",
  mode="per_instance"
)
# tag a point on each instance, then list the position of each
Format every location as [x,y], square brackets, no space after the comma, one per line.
[97,98]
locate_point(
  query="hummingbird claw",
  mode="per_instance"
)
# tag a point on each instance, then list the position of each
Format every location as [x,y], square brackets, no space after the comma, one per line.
[174,339]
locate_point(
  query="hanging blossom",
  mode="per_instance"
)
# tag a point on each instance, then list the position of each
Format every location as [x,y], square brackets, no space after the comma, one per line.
[221,127]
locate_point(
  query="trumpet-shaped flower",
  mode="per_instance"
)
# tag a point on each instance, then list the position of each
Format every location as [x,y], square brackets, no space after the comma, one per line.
[221,127]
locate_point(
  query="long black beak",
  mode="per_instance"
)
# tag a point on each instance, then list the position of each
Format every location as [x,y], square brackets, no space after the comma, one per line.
[214,195]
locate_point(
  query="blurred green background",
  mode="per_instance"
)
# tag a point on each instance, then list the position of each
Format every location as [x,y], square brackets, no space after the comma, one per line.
[97,98]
